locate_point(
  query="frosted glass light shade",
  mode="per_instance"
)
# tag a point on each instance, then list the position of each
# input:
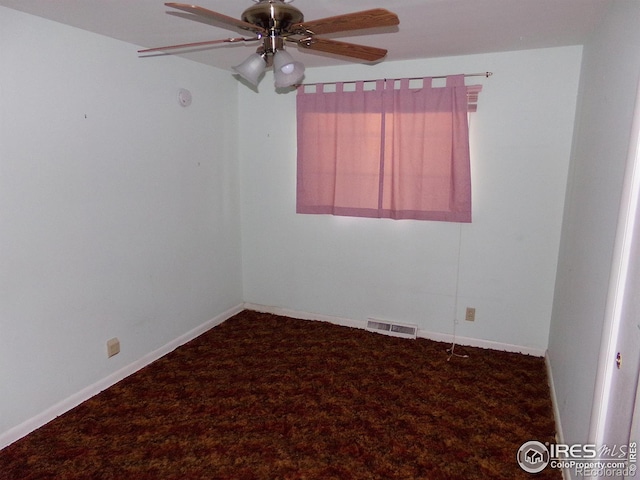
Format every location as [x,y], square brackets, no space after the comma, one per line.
[286,70]
[252,68]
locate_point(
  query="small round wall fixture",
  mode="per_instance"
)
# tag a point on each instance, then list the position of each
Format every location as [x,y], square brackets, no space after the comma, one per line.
[184,97]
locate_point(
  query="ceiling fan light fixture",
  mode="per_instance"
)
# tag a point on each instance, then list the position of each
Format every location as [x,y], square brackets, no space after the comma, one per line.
[273,22]
[286,70]
[252,68]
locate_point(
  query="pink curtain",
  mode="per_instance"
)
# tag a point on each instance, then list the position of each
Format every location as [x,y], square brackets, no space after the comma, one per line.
[389,152]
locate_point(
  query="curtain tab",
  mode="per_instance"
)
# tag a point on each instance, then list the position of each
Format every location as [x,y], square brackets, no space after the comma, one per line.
[455,80]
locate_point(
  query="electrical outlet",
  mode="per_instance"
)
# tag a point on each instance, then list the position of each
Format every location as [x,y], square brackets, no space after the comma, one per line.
[470,315]
[113,347]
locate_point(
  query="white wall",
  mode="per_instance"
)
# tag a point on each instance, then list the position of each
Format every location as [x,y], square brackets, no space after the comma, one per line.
[408,270]
[609,78]
[119,209]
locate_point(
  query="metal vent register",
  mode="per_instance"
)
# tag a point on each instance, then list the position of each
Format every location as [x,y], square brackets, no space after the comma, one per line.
[393,329]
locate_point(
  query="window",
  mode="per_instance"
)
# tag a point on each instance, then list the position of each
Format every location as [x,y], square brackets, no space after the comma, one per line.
[385,149]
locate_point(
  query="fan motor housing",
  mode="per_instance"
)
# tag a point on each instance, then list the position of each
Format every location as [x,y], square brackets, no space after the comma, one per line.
[272,15]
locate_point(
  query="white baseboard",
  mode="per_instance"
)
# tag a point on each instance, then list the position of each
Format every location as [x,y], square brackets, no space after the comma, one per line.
[19,431]
[285,312]
[566,472]
[481,343]
[438,337]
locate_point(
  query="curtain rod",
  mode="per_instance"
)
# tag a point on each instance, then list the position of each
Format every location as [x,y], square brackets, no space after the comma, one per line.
[483,74]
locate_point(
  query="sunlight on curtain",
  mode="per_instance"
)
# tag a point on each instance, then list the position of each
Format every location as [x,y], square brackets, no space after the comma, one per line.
[385,150]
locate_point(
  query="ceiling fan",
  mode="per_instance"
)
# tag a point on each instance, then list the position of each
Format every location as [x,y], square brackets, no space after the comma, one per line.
[274,22]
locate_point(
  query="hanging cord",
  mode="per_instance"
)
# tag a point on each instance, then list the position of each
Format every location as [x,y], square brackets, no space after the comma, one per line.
[451,351]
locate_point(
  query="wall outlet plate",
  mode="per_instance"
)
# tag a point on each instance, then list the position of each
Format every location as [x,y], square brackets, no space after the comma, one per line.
[470,315]
[113,347]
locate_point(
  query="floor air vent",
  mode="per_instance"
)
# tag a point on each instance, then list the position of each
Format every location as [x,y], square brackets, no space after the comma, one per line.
[394,329]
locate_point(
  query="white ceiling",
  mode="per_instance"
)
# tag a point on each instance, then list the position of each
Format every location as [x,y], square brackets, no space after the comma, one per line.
[428,28]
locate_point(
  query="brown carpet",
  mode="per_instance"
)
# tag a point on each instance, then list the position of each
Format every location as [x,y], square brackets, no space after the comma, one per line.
[269,397]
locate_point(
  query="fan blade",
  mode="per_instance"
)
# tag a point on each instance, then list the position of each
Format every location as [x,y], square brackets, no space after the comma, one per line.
[198,44]
[377,17]
[228,21]
[370,54]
